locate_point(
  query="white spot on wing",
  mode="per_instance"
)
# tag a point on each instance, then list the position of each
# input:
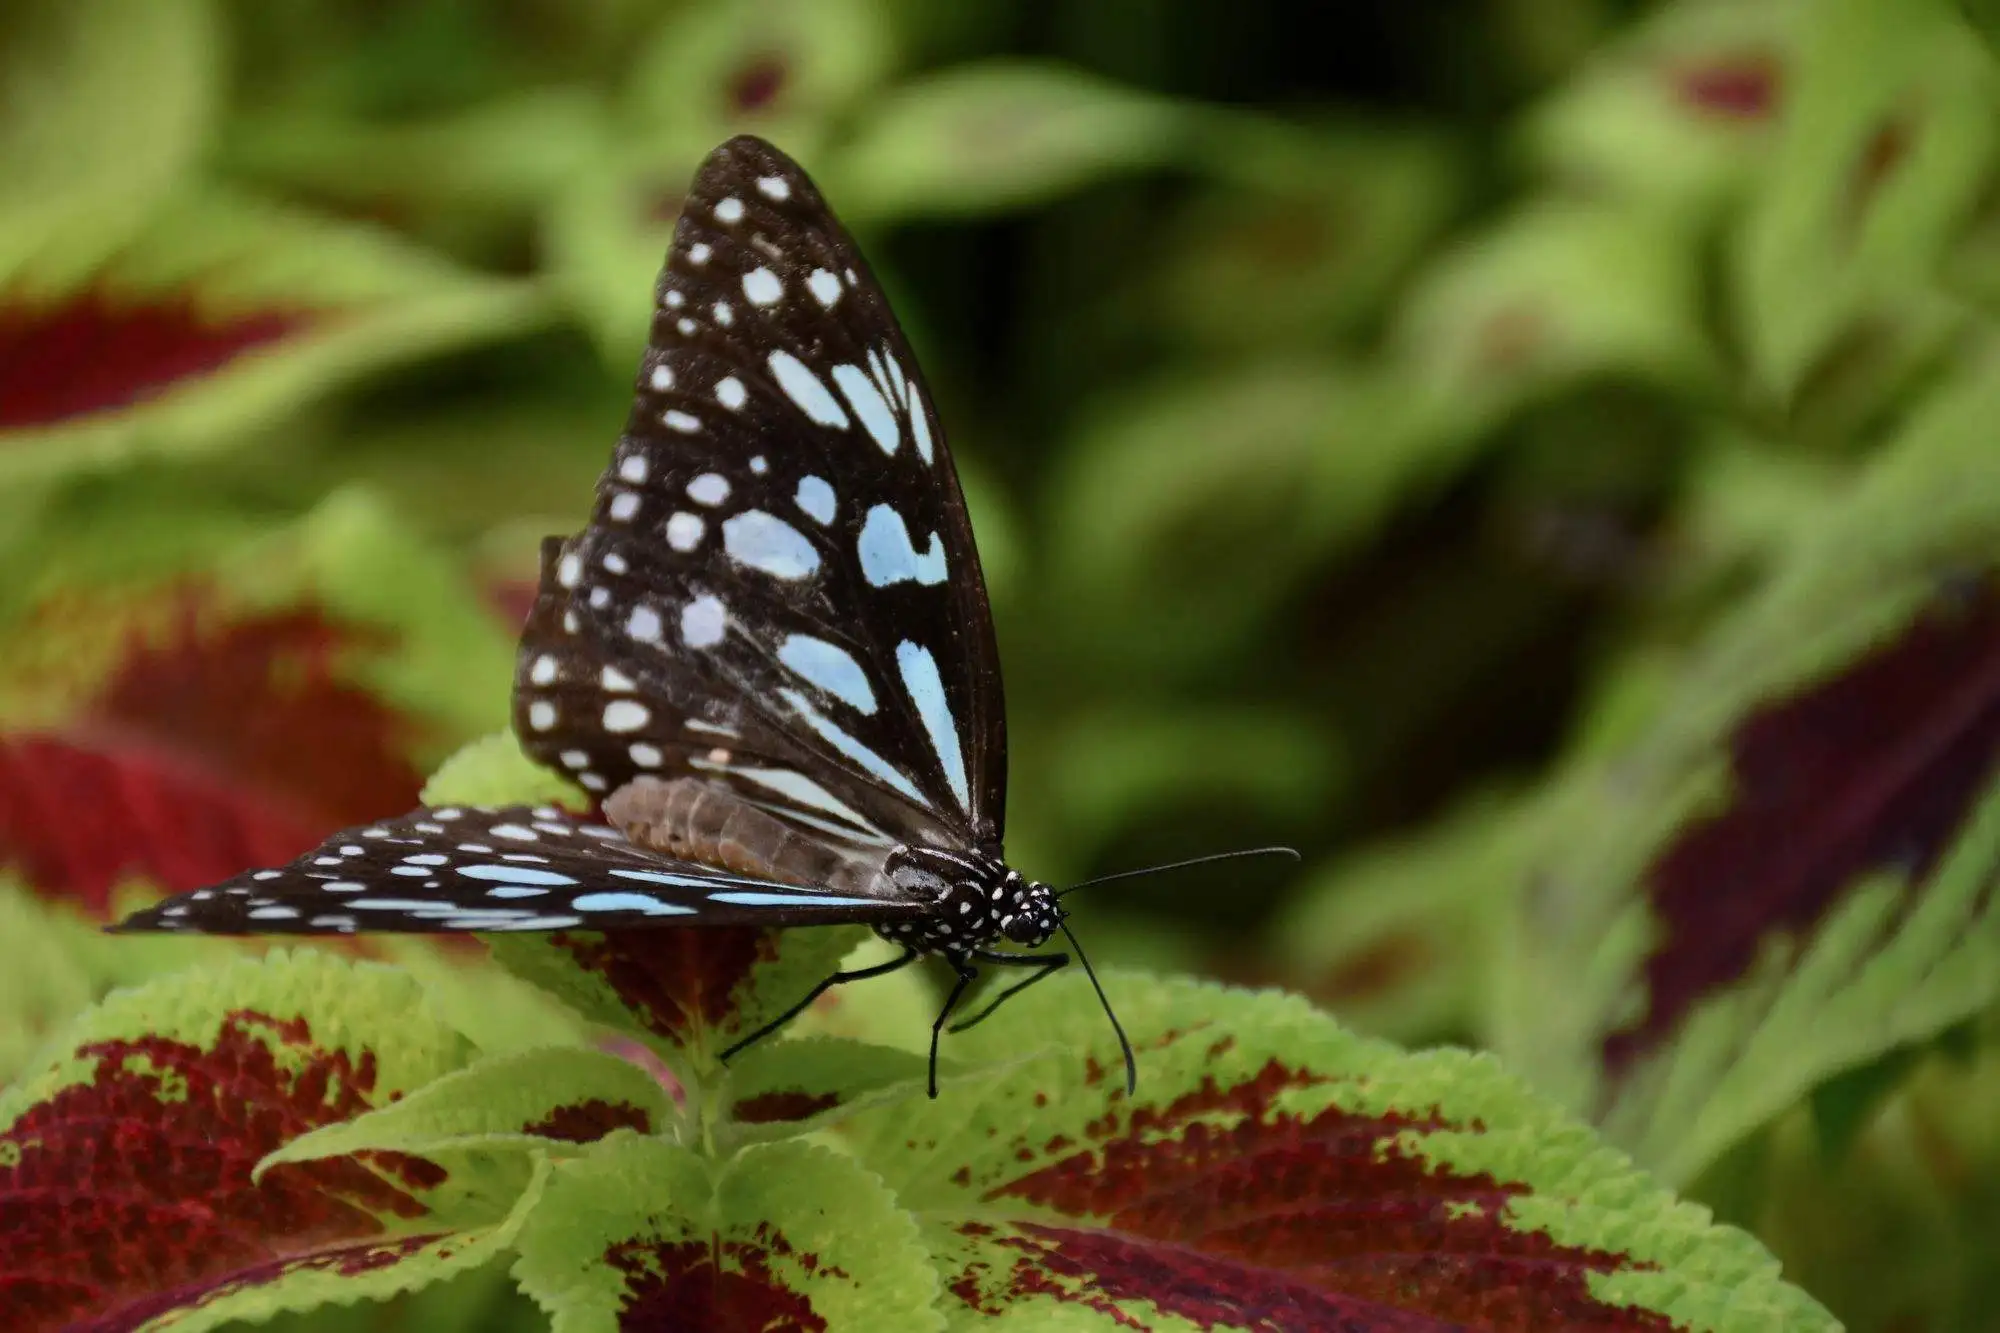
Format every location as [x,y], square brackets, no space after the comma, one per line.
[710,488]
[869,405]
[624,505]
[684,531]
[662,378]
[633,468]
[702,622]
[644,624]
[725,314]
[541,715]
[816,498]
[729,211]
[761,287]
[698,253]
[775,187]
[766,542]
[616,681]
[514,875]
[625,715]
[806,391]
[644,755]
[569,569]
[830,667]
[926,690]
[824,287]
[543,672]
[681,421]
[729,392]
[888,556]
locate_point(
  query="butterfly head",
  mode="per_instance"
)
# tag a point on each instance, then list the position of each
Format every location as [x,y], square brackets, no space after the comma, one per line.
[977,899]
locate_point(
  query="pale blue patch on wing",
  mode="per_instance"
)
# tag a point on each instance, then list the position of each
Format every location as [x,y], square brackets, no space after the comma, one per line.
[516,891]
[806,391]
[926,690]
[514,875]
[816,497]
[768,543]
[746,898]
[869,405]
[887,555]
[628,902]
[872,763]
[830,667]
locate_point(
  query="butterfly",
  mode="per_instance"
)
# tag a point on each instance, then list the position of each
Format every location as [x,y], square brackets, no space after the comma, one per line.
[769,654]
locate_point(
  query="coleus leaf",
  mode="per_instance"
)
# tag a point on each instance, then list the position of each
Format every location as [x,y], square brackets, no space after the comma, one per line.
[551,1097]
[1562,293]
[181,731]
[1276,1173]
[82,159]
[1789,873]
[787,70]
[642,1234]
[127,1193]
[1394,939]
[1001,135]
[1880,159]
[226,312]
[1677,113]
[685,993]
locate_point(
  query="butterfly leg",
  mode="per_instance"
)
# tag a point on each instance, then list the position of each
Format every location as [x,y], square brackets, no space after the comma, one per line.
[837,979]
[967,974]
[1044,964]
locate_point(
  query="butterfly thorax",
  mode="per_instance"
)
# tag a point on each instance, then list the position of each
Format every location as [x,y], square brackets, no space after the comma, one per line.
[978,899]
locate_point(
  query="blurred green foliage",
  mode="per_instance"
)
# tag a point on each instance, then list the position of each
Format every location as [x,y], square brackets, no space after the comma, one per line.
[1388,431]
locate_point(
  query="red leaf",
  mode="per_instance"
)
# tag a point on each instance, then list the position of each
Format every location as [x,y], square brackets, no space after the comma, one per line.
[686,1285]
[1744,87]
[672,980]
[590,1120]
[94,354]
[209,748]
[1872,769]
[117,1191]
[1224,1210]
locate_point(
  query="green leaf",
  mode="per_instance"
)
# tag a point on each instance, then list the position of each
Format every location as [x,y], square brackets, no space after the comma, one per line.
[1301,237]
[1395,939]
[642,1234]
[1558,294]
[1146,502]
[1676,114]
[108,103]
[203,1074]
[493,771]
[1278,1172]
[223,315]
[1713,971]
[527,1101]
[998,135]
[454,660]
[784,69]
[784,1088]
[1890,124]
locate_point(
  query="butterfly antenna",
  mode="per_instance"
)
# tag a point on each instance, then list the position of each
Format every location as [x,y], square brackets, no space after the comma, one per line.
[1124,1042]
[1183,865]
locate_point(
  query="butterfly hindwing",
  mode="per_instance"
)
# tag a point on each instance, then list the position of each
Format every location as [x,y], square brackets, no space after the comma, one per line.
[496,868]
[780,545]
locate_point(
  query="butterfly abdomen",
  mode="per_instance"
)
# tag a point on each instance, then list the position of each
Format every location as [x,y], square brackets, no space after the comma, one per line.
[695,821]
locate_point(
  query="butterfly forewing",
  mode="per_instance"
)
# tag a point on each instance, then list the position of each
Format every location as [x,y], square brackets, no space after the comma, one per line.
[499,868]
[780,548]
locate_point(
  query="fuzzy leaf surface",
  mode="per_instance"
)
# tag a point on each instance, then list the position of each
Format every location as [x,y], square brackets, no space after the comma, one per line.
[1277,1173]
[126,1187]
[640,1234]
